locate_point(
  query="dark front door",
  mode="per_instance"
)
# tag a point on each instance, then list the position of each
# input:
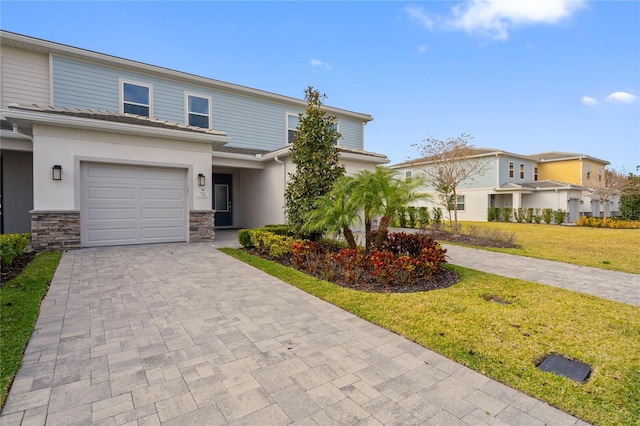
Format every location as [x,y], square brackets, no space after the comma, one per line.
[222,199]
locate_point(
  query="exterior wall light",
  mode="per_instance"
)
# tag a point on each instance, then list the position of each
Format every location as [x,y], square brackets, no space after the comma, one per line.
[57,172]
[201,180]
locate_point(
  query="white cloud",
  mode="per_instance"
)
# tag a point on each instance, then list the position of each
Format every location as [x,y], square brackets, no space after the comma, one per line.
[622,98]
[418,14]
[495,18]
[586,100]
[422,49]
[318,63]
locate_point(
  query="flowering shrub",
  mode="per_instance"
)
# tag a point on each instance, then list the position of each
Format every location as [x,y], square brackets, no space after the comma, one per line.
[596,222]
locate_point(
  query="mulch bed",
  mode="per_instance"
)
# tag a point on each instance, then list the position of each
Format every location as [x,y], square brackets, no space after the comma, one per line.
[446,236]
[443,279]
[13,270]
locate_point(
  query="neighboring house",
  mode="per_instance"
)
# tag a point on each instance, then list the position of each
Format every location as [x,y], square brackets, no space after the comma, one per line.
[98,150]
[515,180]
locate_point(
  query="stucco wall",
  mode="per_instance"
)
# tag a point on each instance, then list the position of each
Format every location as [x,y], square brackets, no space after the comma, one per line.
[69,147]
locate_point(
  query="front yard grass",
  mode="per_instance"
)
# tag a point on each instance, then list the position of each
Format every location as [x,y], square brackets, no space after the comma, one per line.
[19,307]
[506,341]
[614,249]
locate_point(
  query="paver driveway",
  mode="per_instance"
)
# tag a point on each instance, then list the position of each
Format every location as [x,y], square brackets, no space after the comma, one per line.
[183,334]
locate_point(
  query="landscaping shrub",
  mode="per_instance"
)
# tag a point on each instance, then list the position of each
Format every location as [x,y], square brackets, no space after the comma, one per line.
[268,243]
[493,214]
[537,215]
[437,216]
[279,229]
[528,217]
[547,215]
[559,216]
[11,246]
[493,235]
[423,216]
[402,217]
[614,223]
[413,215]
[244,238]
[506,214]
[519,214]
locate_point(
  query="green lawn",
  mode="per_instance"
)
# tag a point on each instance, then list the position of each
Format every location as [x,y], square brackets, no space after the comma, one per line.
[19,307]
[505,341]
[615,249]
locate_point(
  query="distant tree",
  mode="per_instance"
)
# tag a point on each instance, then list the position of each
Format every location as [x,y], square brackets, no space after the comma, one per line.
[609,185]
[451,162]
[630,197]
[315,156]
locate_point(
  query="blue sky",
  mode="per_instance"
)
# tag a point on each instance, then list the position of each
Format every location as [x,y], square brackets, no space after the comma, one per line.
[524,76]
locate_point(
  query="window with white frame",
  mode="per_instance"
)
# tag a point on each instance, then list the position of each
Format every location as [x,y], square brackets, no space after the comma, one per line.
[460,202]
[198,110]
[588,171]
[521,171]
[136,98]
[535,173]
[292,125]
[511,170]
[407,176]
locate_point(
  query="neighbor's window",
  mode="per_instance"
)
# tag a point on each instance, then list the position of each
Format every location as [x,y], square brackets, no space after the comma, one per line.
[511,169]
[588,171]
[521,171]
[136,98]
[198,110]
[599,174]
[459,202]
[407,176]
[292,125]
[535,173]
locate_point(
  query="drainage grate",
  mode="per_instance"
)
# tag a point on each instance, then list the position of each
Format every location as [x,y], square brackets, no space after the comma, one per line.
[574,370]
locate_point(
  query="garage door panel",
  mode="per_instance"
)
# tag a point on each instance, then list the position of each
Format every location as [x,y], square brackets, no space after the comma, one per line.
[160,213]
[108,213]
[132,205]
[161,194]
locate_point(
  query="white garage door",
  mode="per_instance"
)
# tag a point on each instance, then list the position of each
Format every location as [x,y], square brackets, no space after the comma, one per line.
[132,205]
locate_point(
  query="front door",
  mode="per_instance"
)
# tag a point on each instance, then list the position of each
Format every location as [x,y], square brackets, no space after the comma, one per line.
[222,199]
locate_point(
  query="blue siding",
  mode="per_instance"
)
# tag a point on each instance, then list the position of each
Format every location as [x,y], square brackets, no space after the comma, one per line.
[504,170]
[250,123]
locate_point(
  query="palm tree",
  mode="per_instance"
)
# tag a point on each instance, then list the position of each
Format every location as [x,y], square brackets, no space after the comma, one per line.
[381,193]
[334,212]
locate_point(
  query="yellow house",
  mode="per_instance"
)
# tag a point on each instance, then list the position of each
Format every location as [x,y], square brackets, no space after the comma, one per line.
[576,169]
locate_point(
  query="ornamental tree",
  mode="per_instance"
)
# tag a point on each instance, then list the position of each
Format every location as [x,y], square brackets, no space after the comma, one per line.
[315,156]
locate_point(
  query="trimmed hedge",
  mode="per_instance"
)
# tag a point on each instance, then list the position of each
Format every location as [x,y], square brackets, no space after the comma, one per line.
[11,246]
[596,222]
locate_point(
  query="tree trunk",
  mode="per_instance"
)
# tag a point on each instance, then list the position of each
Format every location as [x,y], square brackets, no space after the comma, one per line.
[455,210]
[367,231]
[348,235]
[381,236]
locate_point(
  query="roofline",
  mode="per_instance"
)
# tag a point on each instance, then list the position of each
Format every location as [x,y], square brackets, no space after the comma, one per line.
[368,157]
[570,156]
[59,120]
[34,44]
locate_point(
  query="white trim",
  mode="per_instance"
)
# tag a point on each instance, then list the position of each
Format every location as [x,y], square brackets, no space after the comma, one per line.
[121,83]
[521,171]
[112,126]
[186,107]
[511,167]
[288,114]
[51,100]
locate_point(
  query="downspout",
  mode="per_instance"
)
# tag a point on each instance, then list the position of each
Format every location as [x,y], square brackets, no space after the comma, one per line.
[17,131]
[284,179]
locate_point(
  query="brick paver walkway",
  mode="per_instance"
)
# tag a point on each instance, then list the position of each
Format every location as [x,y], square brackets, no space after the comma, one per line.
[180,334]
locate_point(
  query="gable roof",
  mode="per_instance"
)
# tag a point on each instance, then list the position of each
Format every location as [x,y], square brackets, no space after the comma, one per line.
[563,156]
[37,45]
[474,153]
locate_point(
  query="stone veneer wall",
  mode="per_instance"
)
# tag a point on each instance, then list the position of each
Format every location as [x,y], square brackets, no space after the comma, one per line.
[55,230]
[201,226]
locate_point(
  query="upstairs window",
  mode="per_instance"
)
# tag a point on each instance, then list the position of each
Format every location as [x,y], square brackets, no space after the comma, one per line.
[292,125]
[407,176]
[521,171]
[511,170]
[588,171]
[136,98]
[599,174]
[535,173]
[198,109]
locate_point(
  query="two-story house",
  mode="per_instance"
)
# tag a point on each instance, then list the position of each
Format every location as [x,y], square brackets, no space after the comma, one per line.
[558,181]
[99,150]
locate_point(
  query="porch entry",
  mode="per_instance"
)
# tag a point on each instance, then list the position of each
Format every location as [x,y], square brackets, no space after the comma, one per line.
[222,199]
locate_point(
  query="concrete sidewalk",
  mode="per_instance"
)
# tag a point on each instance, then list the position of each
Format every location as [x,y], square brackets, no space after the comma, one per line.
[613,285]
[181,334]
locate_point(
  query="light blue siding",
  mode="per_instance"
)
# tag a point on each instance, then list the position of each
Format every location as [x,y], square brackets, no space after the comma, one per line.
[504,170]
[250,122]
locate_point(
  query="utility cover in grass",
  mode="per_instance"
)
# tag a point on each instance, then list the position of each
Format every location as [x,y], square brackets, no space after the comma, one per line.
[574,370]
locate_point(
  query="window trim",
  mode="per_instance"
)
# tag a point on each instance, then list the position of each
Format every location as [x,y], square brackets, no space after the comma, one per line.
[588,171]
[187,112]
[535,174]
[149,86]
[512,167]
[458,196]
[288,114]
[521,171]
[407,176]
